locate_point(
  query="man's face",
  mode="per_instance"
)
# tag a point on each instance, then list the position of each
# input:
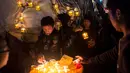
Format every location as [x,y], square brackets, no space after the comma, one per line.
[87,23]
[113,18]
[47,29]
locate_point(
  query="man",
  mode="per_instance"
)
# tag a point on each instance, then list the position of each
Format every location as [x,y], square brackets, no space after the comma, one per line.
[119,16]
[48,44]
[67,34]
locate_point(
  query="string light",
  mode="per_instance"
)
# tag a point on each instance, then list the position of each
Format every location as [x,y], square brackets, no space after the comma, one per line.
[19,22]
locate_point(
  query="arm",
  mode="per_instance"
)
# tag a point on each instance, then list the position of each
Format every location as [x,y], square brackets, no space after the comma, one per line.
[107,57]
[4,57]
[3,52]
[126,55]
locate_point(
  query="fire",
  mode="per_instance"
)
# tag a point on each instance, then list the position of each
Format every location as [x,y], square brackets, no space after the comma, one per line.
[54,66]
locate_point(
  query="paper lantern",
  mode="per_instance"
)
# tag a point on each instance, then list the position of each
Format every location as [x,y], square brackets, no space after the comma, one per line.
[85,35]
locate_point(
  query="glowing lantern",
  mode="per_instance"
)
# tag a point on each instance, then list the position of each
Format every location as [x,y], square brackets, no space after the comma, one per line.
[19,4]
[30,4]
[71,13]
[21,18]
[77,13]
[56,6]
[67,8]
[23,30]
[85,35]
[75,9]
[17,26]
[38,8]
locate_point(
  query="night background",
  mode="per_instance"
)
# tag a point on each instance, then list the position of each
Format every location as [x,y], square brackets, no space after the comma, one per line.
[20,25]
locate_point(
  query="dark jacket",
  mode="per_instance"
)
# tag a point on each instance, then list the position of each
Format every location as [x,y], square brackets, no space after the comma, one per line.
[49,45]
[83,46]
[120,54]
[18,54]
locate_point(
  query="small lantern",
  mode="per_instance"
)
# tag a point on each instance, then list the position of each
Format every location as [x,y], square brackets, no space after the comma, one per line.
[38,8]
[30,4]
[67,8]
[77,13]
[17,26]
[71,13]
[75,9]
[19,4]
[21,18]
[23,30]
[56,6]
[85,35]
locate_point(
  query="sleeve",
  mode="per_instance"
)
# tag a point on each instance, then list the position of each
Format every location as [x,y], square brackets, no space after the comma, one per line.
[126,55]
[3,51]
[3,43]
[107,57]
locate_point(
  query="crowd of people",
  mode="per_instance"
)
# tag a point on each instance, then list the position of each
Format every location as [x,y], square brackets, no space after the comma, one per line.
[17,56]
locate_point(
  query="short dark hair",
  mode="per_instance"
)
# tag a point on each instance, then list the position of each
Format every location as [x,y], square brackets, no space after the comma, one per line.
[47,21]
[124,6]
[88,17]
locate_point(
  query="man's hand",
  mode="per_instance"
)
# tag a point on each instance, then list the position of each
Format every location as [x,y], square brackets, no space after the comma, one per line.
[41,59]
[81,60]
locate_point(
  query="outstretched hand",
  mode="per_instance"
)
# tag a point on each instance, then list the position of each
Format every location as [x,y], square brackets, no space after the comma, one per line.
[81,60]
